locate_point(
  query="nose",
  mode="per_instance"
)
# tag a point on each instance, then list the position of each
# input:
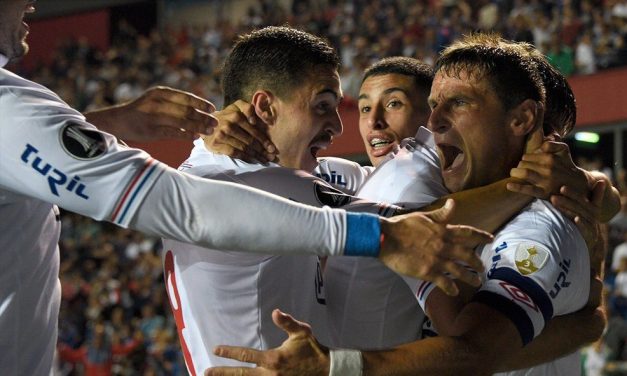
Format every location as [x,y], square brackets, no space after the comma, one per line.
[375,118]
[334,126]
[437,122]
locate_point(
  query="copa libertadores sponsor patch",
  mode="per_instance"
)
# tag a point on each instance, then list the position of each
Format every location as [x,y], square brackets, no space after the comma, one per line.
[82,143]
[530,258]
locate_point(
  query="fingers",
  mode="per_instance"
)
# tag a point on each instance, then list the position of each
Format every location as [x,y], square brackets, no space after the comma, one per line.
[446,284]
[534,140]
[168,94]
[462,255]
[252,125]
[288,324]
[443,214]
[243,354]
[462,273]
[234,129]
[467,236]
[598,193]
[571,208]
[235,371]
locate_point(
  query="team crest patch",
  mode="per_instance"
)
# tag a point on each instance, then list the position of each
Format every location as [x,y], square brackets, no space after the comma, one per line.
[530,258]
[81,143]
[330,196]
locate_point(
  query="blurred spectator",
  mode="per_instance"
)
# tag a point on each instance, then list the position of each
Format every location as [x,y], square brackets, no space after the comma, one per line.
[561,56]
[585,60]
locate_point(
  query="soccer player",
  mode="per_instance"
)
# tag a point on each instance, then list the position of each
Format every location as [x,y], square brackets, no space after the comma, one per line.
[52,156]
[291,79]
[538,266]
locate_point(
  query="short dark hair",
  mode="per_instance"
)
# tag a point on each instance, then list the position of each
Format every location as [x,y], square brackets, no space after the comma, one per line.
[275,58]
[560,114]
[511,72]
[422,73]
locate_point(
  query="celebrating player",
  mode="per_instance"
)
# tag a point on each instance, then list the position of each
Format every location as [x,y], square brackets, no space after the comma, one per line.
[465,94]
[52,156]
[219,296]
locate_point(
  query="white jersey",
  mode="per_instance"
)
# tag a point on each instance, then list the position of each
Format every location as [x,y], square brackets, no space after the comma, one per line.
[371,307]
[222,297]
[343,174]
[537,268]
[50,156]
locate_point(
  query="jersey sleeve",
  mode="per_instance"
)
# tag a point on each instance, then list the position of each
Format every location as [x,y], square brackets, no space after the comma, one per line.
[51,153]
[343,174]
[538,268]
[411,176]
[302,187]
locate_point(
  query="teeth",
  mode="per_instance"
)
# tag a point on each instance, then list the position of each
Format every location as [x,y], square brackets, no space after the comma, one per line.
[379,142]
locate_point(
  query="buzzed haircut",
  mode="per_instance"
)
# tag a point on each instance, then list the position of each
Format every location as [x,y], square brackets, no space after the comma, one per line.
[511,72]
[275,58]
[421,73]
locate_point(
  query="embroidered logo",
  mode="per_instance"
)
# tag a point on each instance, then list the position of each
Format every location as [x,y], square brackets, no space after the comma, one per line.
[530,258]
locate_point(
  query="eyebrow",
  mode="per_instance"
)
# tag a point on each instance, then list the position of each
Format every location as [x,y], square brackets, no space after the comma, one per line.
[385,92]
[330,91]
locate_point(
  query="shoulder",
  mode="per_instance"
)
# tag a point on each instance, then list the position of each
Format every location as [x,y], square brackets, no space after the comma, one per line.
[342,173]
[203,162]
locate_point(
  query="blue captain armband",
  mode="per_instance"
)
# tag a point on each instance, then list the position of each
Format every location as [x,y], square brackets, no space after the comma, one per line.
[363,235]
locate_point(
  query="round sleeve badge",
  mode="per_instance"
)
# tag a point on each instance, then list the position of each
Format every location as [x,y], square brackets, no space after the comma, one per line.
[82,143]
[530,258]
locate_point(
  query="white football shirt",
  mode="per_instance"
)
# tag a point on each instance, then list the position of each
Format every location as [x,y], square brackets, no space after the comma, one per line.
[371,307]
[222,297]
[537,268]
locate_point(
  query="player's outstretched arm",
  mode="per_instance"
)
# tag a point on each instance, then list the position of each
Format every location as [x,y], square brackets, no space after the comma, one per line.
[159,113]
[478,351]
[418,246]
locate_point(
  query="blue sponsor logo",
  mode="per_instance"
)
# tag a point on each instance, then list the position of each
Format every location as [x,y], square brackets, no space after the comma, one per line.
[334,178]
[496,258]
[56,178]
[561,279]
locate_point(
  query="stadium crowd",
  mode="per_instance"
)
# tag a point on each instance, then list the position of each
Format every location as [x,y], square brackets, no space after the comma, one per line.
[579,37]
[114,317]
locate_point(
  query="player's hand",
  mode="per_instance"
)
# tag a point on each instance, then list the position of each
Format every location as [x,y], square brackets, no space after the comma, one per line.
[240,134]
[159,113]
[544,172]
[300,354]
[423,246]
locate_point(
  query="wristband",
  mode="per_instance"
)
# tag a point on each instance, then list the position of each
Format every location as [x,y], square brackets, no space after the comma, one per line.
[363,235]
[345,363]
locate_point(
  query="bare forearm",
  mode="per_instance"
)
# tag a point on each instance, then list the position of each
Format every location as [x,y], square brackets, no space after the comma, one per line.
[487,207]
[550,344]
[478,351]
[104,119]
[432,356]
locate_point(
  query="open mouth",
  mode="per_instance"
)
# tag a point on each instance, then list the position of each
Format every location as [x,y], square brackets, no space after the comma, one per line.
[320,143]
[452,156]
[379,143]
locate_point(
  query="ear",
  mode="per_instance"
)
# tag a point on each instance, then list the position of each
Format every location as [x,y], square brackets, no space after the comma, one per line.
[264,102]
[527,117]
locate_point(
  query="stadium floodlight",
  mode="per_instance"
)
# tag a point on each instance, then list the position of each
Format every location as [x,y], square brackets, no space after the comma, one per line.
[589,137]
